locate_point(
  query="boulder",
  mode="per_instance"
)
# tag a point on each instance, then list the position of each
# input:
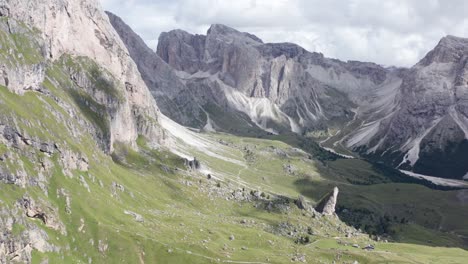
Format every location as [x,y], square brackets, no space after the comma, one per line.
[327,205]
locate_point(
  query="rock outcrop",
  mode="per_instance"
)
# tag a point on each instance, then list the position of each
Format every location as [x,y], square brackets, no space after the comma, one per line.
[17,246]
[192,164]
[326,206]
[81,28]
[172,95]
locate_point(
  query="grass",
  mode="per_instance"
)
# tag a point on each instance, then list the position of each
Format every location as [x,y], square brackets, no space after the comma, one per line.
[21,47]
[185,220]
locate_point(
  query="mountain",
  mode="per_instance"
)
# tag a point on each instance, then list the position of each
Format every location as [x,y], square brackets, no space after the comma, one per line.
[81,29]
[426,130]
[273,87]
[280,86]
[356,108]
[92,172]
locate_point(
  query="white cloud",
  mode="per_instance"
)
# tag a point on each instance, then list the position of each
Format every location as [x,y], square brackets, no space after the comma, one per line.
[391,32]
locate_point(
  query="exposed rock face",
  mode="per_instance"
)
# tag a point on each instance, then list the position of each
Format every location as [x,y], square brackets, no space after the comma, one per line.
[170,91]
[81,28]
[327,205]
[427,127]
[304,205]
[278,86]
[227,73]
[408,118]
[17,247]
[193,164]
[48,217]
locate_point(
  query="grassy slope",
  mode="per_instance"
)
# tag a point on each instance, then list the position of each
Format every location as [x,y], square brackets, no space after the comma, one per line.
[429,210]
[178,214]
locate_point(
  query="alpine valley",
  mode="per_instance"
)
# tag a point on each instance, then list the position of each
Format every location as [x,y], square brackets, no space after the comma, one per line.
[221,148]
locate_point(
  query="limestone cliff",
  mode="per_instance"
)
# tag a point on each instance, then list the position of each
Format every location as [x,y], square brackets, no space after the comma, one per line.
[81,29]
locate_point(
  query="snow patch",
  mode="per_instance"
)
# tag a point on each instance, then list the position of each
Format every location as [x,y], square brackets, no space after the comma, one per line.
[437,180]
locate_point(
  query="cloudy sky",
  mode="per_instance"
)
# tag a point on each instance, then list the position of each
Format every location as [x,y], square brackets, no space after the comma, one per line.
[391,32]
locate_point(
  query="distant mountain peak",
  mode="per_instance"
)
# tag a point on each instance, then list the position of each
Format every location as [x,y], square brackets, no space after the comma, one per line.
[449,49]
[223,30]
[450,39]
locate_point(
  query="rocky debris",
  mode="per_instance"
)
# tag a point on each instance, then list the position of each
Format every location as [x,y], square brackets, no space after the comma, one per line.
[327,205]
[71,161]
[304,205]
[82,225]
[103,246]
[369,247]
[192,164]
[19,178]
[256,194]
[116,187]
[17,247]
[66,195]
[136,216]
[299,258]
[84,183]
[48,217]
[280,152]
[289,169]
[12,137]
[231,237]
[47,148]
[26,146]
[166,169]
[278,204]
[45,164]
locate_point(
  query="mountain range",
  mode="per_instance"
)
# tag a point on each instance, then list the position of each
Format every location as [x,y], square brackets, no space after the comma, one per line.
[412,119]
[222,148]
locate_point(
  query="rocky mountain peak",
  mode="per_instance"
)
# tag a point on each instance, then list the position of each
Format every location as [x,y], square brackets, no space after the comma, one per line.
[449,49]
[450,41]
[231,34]
[221,29]
[328,203]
